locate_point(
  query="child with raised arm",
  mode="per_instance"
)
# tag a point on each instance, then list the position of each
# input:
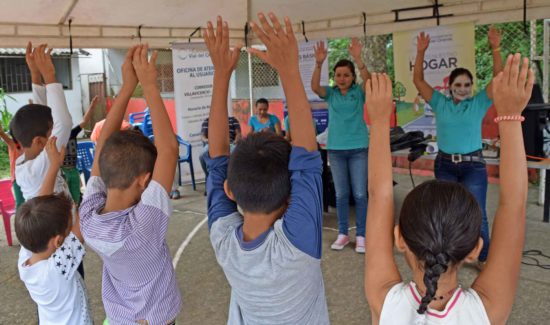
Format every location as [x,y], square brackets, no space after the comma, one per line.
[70,173]
[33,124]
[440,224]
[14,151]
[126,207]
[51,250]
[271,253]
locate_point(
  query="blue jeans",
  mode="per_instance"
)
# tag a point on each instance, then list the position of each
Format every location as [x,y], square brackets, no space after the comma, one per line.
[473,175]
[350,167]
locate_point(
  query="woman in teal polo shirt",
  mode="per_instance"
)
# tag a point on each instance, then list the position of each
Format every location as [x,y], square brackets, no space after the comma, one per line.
[263,121]
[348,139]
[458,124]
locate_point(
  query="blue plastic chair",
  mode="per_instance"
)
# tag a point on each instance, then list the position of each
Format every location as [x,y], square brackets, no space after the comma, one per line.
[85,158]
[185,158]
[136,119]
[147,125]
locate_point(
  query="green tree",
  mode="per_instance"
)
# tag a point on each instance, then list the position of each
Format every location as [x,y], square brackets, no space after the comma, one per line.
[399,91]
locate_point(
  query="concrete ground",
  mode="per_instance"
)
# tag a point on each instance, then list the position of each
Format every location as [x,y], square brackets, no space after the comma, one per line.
[206,293]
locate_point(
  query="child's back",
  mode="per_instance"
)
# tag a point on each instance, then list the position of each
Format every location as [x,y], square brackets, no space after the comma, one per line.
[126,208]
[33,124]
[137,265]
[402,301]
[51,250]
[275,278]
[271,254]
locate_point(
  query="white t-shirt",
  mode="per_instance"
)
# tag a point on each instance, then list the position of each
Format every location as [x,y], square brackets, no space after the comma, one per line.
[464,308]
[56,286]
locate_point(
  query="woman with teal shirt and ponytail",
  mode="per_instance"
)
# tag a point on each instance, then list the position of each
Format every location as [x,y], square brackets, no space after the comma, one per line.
[458,124]
[348,139]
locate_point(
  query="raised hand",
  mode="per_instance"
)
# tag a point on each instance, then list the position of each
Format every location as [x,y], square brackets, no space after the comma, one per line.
[223,58]
[55,156]
[129,77]
[355,48]
[320,52]
[494,37]
[512,87]
[422,42]
[378,90]
[43,59]
[145,70]
[282,47]
[29,57]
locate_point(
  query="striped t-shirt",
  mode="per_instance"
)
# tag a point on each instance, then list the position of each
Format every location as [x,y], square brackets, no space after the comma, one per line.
[234,127]
[138,278]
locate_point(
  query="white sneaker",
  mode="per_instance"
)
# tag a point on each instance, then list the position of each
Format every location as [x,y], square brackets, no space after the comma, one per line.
[340,242]
[360,244]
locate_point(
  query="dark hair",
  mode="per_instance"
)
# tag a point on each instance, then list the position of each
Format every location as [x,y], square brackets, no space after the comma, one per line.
[262,101]
[126,155]
[346,63]
[258,173]
[30,121]
[460,72]
[441,224]
[40,219]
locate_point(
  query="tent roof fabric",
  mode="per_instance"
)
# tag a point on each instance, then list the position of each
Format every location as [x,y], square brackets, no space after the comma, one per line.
[18,52]
[115,24]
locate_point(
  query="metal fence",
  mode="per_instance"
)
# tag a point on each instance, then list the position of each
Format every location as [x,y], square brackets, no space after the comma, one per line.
[254,79]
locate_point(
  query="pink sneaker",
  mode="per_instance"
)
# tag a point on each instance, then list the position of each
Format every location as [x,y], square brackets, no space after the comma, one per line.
[340,242]
[360,244]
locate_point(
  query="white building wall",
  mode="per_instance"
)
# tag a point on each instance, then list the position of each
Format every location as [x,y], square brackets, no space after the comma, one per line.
[73,96]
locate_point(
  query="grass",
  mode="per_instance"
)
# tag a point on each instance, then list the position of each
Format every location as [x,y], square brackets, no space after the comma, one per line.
[4,161]
[406,114]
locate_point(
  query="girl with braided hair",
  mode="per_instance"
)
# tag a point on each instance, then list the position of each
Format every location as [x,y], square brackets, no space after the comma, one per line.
[439,227]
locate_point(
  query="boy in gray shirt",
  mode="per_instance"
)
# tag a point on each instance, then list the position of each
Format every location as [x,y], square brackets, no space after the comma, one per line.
[270,254]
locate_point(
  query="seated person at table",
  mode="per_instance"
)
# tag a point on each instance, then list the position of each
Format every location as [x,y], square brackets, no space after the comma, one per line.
[263,121]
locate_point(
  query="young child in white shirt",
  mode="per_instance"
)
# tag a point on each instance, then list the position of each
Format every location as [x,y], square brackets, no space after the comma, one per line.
[439,226]
[33,124]
[51,250]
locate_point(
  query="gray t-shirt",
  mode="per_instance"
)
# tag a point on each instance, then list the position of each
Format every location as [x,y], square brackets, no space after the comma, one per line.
[276,278]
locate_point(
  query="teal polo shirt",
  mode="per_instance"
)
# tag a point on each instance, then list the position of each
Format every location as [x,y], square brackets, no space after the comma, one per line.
[459,125]
[346,125]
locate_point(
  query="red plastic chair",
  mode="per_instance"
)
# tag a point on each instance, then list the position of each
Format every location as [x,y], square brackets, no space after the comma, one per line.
[7,206]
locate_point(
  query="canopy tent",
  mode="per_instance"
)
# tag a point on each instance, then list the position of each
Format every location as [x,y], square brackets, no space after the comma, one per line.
[121,23]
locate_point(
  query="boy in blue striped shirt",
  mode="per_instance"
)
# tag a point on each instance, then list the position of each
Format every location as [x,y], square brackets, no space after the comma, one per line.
[126,208]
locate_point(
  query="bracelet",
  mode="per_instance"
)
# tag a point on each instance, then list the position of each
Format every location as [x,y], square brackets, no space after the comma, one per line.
[497,49]
[509,118]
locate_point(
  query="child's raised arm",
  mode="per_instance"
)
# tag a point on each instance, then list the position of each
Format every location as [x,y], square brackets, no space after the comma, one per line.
[55,157]
[55,96]
[498,281]
[116,114]
[165,139]
[224,60]
[381,272]
[282,55]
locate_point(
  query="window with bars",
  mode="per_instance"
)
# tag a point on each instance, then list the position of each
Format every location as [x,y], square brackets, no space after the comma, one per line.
[15,77]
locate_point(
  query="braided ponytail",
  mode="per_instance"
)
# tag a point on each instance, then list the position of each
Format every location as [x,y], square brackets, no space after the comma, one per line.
[434,266]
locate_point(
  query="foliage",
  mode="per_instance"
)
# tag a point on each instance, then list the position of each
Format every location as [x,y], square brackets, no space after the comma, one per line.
[5,116]
[338,50]
[514,40]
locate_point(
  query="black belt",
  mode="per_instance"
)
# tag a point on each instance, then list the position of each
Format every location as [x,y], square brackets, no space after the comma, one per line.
[474,156]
